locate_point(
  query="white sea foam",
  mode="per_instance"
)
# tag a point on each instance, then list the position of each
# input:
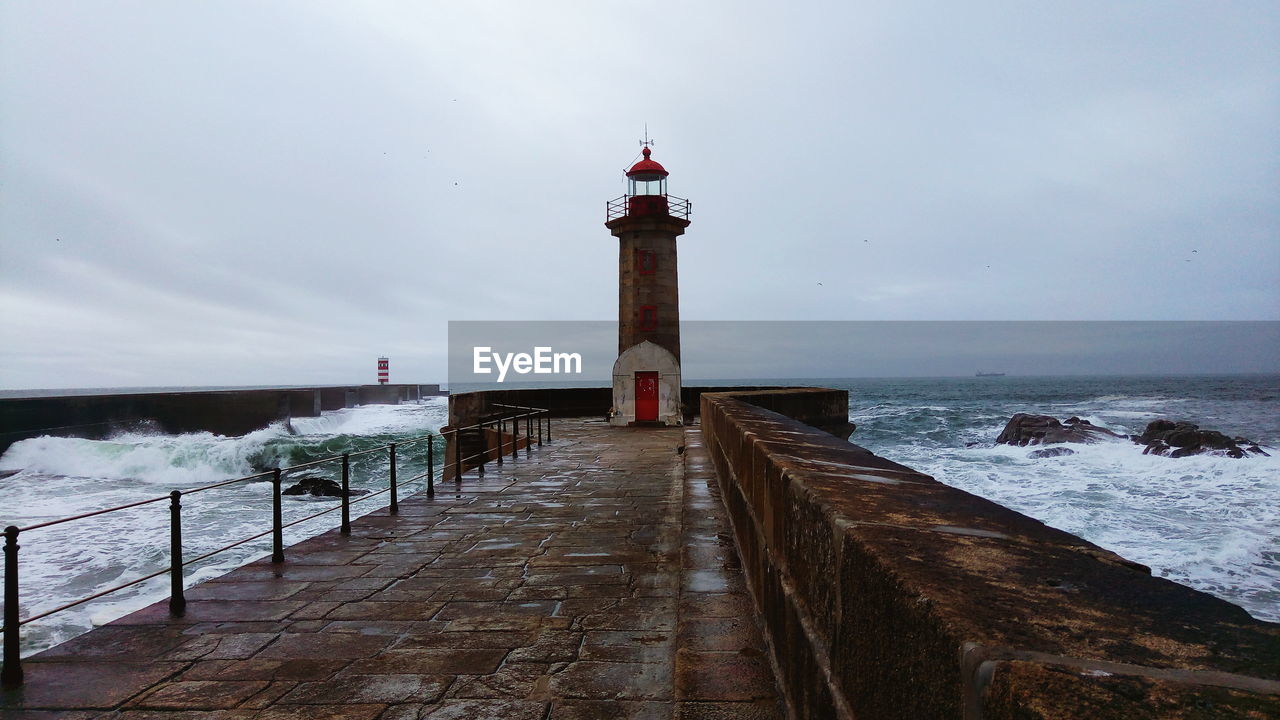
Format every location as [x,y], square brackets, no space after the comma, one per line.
[1206,521]
[200,458]
[59,477]
[375,420]
[161,460]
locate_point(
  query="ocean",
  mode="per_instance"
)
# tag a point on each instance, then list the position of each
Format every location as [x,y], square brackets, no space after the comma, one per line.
[1212,523]
[59,477]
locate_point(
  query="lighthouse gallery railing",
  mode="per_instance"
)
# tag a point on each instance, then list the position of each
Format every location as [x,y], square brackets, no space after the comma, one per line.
[621,207]
[11,674]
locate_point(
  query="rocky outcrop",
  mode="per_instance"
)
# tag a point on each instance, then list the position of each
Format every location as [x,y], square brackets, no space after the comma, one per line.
[1027,429]
[320,487]
[1050,452]
[1180,439]
[1161,437]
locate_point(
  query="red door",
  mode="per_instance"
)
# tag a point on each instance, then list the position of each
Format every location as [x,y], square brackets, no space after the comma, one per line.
[646,396]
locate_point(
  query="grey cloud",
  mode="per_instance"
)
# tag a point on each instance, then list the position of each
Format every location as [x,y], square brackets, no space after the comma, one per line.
[333,182]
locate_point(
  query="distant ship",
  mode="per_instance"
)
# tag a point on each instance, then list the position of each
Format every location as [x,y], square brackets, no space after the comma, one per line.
[986,374]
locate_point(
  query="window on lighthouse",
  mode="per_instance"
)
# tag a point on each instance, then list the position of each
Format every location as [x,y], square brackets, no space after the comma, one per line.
[648,317]
[648,185]
[646,262]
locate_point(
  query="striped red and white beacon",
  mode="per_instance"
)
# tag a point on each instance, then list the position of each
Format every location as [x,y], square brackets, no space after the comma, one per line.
[384,370]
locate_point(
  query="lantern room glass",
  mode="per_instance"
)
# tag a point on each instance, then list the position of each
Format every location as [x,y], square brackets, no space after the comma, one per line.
[648,185]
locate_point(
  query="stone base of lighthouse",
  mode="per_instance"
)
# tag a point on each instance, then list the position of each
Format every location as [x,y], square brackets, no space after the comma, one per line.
[646,387]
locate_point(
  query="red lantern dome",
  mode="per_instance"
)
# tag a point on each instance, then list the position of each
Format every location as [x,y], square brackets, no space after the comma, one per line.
[647,167]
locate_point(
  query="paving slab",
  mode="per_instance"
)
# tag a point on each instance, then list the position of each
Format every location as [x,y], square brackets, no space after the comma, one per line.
[594,578]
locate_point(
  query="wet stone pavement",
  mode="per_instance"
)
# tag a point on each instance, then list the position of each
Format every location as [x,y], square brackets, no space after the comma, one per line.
[595,579]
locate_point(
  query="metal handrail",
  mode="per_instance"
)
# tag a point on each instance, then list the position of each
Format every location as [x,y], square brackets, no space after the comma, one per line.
[265,473]
[225,483]
[94,596]
[540,413]
[291,468]
[82,516]
[11,674]
[620,207]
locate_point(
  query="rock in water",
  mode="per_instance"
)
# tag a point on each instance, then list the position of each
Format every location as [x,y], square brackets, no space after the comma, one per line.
[1027,429]
[320,487]
[1180,439]
[1051,452]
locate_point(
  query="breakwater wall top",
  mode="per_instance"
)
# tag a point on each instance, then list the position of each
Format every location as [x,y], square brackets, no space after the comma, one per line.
[225,412]
[469,407]
[887,594]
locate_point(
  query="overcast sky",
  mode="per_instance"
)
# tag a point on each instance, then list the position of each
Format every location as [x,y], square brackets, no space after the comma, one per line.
[205,193]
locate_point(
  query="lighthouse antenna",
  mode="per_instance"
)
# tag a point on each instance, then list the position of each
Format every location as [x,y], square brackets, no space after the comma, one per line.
[646,142]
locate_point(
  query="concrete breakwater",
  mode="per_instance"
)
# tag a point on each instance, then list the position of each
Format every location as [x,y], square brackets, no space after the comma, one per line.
[885,593]
[224,412]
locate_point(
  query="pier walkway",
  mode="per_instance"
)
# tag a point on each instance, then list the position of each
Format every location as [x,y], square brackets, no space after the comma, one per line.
[595,579]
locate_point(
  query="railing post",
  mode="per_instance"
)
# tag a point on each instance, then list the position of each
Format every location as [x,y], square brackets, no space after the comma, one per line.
[484,450]
[501,447]
[11,674]
[346,494]
[277,519]
[515,437]
[539,429]
[431,466]
[395,501]
[177,601]
[457,456]
[548,426]
[528,435]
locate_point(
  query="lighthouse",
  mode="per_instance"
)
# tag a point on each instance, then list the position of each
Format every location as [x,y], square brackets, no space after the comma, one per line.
[647,221]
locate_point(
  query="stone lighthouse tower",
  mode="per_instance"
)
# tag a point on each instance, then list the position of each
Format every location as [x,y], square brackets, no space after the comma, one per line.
[647,221]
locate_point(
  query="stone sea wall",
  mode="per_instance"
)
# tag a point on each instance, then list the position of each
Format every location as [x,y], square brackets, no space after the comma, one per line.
[887,594]
[225,412]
